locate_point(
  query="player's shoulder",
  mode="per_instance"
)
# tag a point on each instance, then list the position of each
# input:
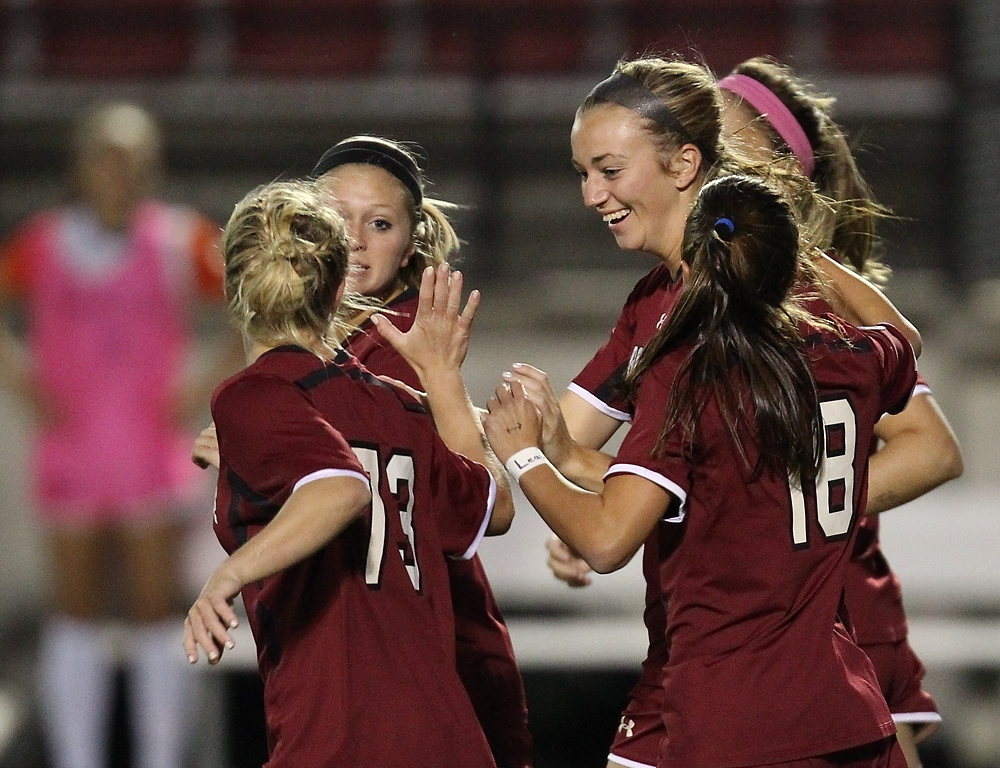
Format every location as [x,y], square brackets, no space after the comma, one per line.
[833,334]
[287,365]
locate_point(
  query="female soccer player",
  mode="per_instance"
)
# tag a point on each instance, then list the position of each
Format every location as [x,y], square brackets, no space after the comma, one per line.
[339,503]
[644,142]
[775,113]
[396,231]
[109,283]
[750,433]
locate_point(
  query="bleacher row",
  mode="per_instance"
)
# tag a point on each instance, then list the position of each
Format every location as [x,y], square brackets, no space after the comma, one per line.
[167,39]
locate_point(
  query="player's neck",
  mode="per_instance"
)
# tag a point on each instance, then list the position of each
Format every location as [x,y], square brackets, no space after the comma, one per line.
[254,349]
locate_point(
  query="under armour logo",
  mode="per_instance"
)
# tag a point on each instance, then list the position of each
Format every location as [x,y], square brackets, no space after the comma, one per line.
[661,321]
[627,726]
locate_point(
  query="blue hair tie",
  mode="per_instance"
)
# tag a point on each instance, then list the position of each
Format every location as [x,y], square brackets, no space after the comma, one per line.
[724,228]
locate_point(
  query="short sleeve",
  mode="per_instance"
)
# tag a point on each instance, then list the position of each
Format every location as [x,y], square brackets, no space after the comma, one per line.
[899,366]
[667,465]
[463,493]
[17,260]
[273,438]
[599,381]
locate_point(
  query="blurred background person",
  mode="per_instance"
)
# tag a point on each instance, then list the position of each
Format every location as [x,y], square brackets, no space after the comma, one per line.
[107,283]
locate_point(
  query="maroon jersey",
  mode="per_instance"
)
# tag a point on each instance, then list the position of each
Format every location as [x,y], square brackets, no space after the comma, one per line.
[760,670]
[351,640]
[485,654]
[599,383]
[646,309]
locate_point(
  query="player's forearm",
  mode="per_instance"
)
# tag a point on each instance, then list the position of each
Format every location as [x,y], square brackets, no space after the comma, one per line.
[860,302]
[585,467]
[458,423]
[907,467]
[312,517]
[581,519]
[455,418]
[919,452]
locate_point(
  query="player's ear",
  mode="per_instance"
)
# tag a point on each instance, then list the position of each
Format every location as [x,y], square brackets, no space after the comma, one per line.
[685,165]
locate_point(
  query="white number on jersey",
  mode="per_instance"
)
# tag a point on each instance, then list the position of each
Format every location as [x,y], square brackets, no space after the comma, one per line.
[398,471]
[834,486]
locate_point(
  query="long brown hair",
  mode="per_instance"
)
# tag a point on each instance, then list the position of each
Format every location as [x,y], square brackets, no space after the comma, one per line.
[850,232]
[742,244]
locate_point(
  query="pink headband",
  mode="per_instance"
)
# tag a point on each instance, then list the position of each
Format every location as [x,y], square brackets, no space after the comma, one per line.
[776,113]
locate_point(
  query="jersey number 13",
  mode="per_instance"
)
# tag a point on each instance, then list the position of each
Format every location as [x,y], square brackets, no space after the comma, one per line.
[398,470]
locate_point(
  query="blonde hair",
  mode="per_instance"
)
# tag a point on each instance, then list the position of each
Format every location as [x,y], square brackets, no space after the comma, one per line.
[434,238]
[125,126]
[286,252]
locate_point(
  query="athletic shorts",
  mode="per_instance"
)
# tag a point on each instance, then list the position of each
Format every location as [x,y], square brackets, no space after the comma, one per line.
[885,753]
[640,732]
[900,675]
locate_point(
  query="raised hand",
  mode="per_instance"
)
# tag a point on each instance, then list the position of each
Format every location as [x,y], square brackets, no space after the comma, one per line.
[439,338]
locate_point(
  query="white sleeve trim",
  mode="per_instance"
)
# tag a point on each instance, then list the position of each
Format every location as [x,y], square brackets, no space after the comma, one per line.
[916,717]
[323,473]
[467,555]
[918,389]
[599,404]
[613,758]
[658,479]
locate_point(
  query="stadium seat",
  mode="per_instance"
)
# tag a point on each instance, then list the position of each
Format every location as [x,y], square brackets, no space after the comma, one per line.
[116,38]
[498,37]
[720,32]
[309,38]
[892,36]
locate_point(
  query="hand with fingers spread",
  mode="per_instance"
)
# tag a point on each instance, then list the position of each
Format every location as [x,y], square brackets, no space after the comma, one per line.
[512,422]
[439,338]
[206,448]
[212,616]
[556,442]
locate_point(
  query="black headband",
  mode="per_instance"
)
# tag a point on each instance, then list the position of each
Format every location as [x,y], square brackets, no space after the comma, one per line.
[624,90]
[369,151]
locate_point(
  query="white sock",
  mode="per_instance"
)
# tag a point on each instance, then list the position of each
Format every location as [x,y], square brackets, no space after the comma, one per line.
[160,684]
[76,682]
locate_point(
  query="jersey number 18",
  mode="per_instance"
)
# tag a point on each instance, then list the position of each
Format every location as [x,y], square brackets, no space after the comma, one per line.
[833,489]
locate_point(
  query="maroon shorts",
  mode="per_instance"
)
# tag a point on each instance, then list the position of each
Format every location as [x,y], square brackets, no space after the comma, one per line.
[884,753]
[900,676]
[640,731]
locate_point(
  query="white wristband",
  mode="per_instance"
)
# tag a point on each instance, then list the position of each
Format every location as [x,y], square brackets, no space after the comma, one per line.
[525,459]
